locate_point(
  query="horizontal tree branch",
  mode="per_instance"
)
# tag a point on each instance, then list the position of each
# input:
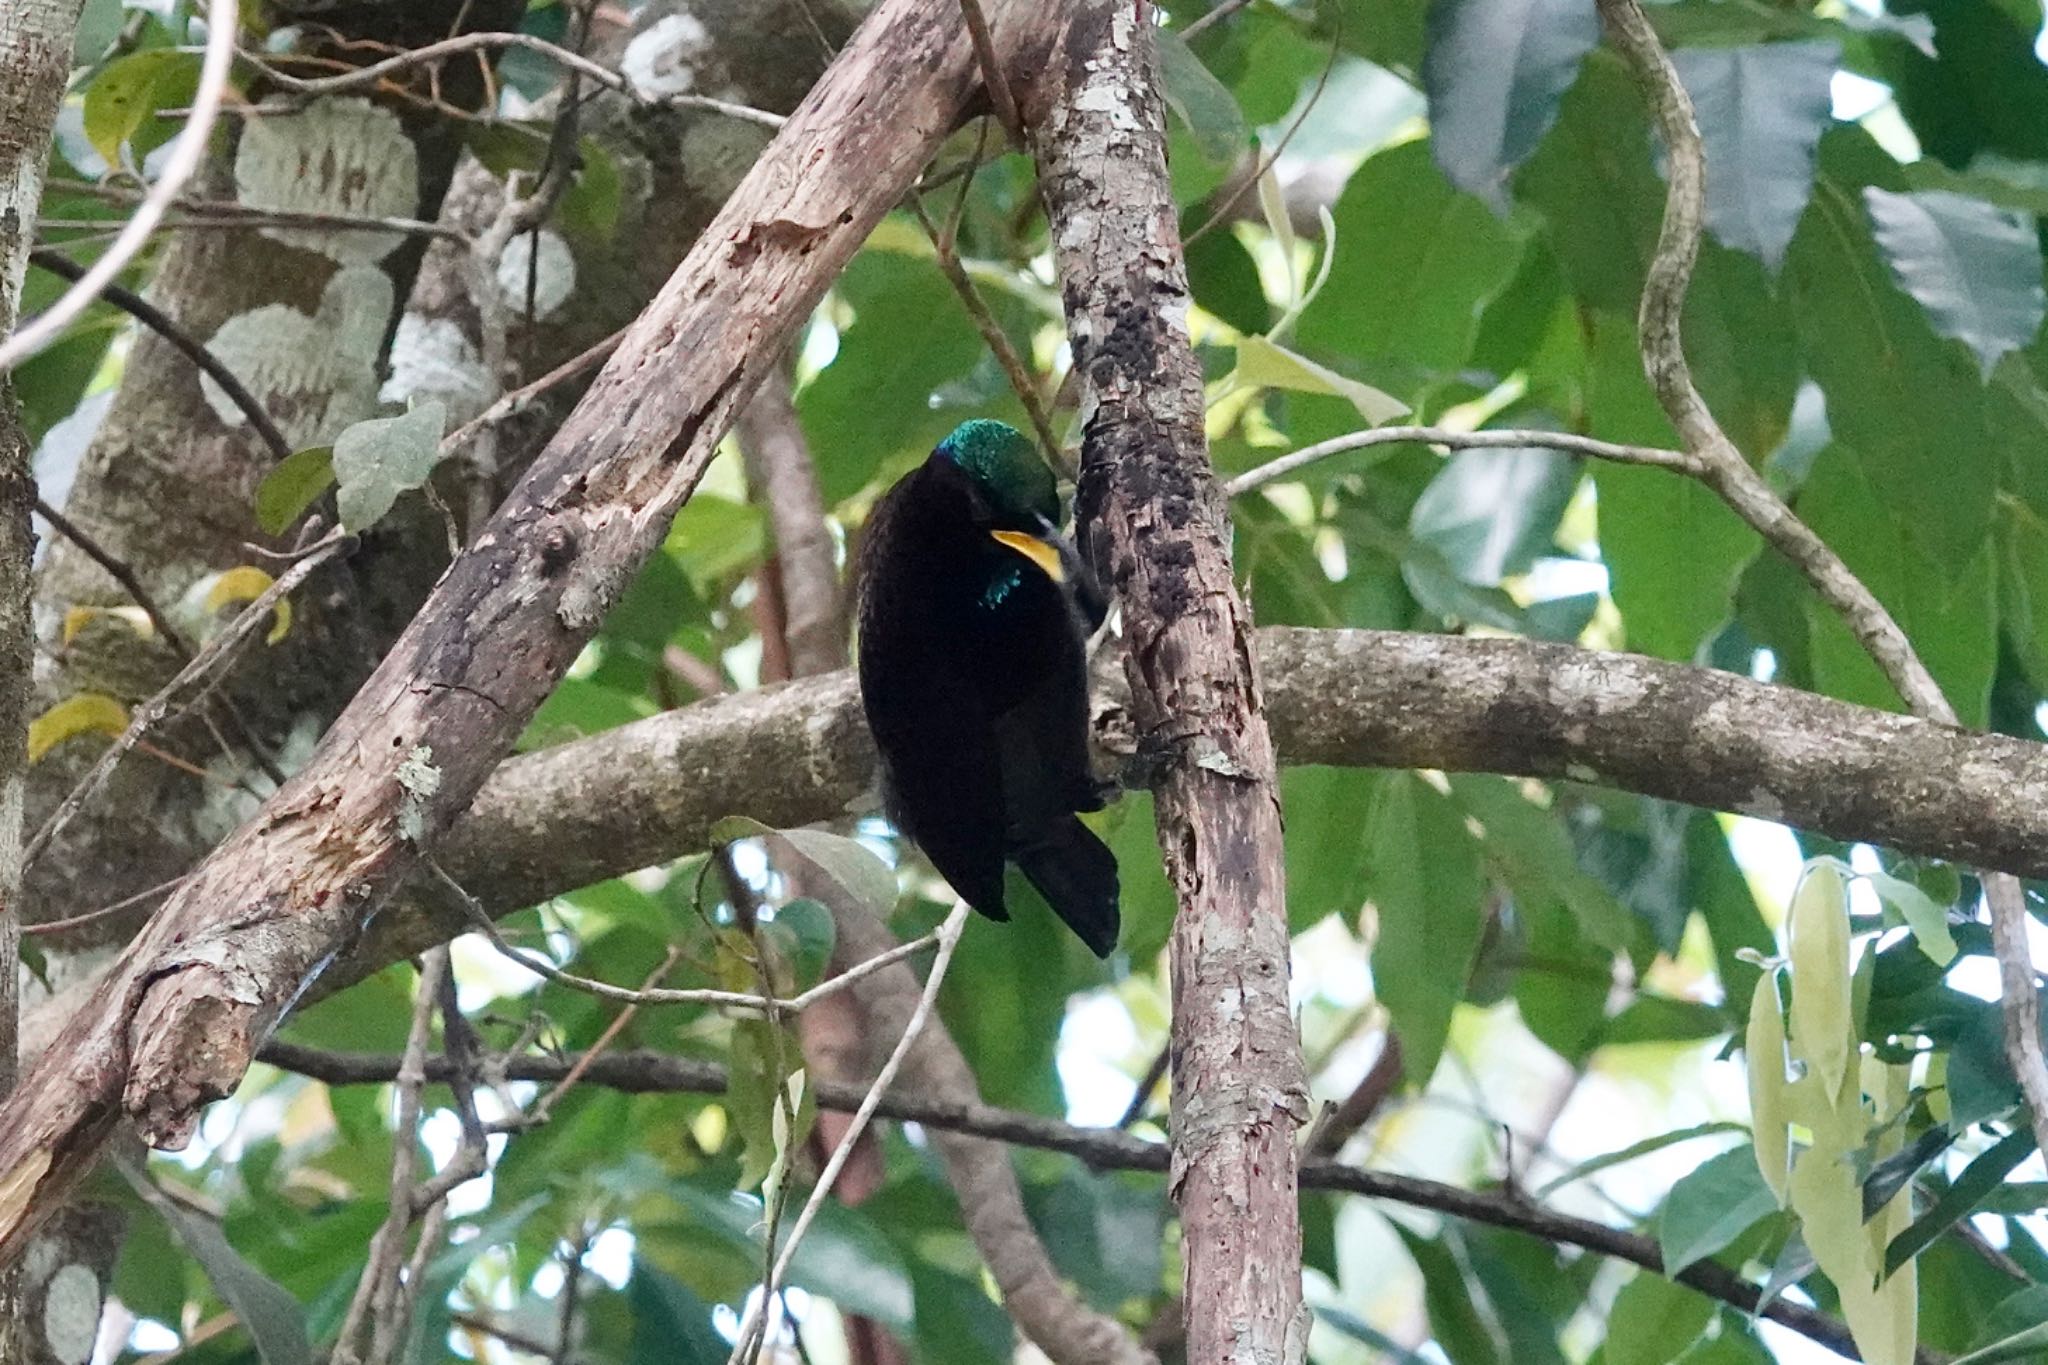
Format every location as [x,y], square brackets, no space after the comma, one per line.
[645,1071]
[649,791]
[565,817]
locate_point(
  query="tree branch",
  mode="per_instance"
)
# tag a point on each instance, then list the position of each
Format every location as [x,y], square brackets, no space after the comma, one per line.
[650,1072]
[286,894]
[1155,525]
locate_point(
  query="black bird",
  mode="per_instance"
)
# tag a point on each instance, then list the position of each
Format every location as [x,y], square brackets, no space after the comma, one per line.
[973,673]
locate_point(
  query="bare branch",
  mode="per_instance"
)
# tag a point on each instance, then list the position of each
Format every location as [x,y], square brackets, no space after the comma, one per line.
[283,896]
[1490,439]
[751,1327]
[366,76]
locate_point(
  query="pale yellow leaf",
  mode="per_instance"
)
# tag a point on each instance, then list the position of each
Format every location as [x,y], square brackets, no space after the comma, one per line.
[246,583]
[1769,1109]
[135,618]
[1822,1023]
[1263,365]
[80,714]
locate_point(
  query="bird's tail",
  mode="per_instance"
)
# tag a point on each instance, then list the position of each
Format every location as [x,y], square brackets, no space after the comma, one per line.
[1076,873]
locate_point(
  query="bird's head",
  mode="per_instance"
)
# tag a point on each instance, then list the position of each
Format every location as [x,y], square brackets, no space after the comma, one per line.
[1015,486]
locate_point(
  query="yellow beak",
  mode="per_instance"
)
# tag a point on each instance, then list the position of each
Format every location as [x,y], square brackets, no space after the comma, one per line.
[1037,551]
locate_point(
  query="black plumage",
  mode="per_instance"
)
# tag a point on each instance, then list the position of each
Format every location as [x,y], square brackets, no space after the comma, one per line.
[973,676]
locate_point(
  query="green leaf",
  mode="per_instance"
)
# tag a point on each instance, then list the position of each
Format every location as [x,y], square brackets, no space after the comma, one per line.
[1494,71]
[1927,920]
[590,206]
[1761,111]
[276,1321]
[1491,513]
[290,487]
[1977,1180]
[1895,390]
[1713,1206]
[670,1323]
[1656,1142]
[376,460]
[1467,1335]
[1592,181]
[1425,882]
[1950,615]
[1974,267]
[129,92]
[1200,100]
[2026,1344]
[1416,264]
[1651,1319]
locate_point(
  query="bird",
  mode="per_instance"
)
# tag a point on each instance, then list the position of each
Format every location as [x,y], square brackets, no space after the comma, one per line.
[973,622]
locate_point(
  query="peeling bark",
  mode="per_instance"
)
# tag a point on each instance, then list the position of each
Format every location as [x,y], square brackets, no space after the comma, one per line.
[290,891]
[1155,525]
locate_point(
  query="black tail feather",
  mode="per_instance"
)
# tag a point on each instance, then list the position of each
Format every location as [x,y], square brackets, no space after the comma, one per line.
[1076,873]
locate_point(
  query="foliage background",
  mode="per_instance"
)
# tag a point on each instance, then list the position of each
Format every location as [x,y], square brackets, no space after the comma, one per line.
[1566,967]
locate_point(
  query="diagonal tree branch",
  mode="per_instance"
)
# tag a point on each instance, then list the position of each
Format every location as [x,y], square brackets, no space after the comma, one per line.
[194,995]
[1155,525]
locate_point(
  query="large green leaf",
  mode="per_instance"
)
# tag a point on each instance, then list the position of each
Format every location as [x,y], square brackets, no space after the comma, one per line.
[1490,513]
[1710,1208]
[1494,71]
[1592,180]
[1425,883]
[1761,110]
[1974,267]
[1909,405]
[1416,262]
[1652,1319]
[1951,618]
[276,1320]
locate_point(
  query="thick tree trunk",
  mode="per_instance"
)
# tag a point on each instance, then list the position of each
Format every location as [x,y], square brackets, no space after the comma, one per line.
[1154,523]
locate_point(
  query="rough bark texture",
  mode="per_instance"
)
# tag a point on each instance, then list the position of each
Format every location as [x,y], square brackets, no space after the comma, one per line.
[288,892]
[1155,525]
[675,168]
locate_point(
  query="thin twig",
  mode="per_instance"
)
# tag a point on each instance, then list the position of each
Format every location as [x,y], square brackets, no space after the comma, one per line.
[58,926]
[1214,16]
[948,936]
[992,74]
[119,570]
[186,154]
[652,1072]
[372,1302]
[1489,439]
[480,919]
[1142,1096]
[187,345]
[233,213]
[1724,470]
[472,42]
[217,651]
[543,1107]
[992,333]
[587,359]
